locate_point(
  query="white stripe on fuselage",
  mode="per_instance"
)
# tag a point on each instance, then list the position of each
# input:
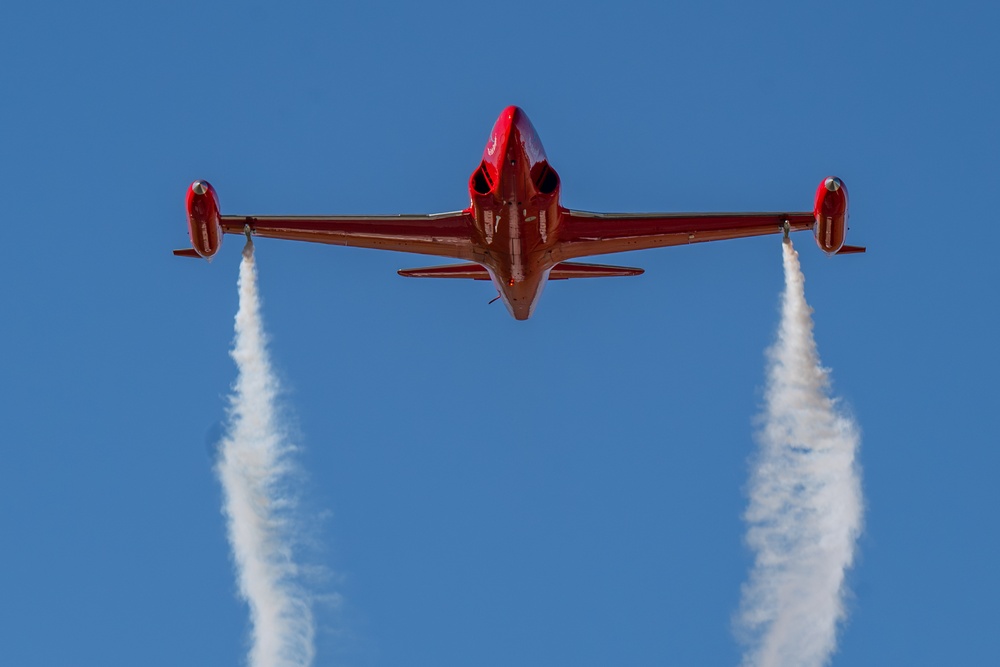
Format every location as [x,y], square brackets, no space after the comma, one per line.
[516,266]
[488,226]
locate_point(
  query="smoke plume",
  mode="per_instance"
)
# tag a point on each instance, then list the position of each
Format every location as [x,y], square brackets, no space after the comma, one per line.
[254,465]
[805,508]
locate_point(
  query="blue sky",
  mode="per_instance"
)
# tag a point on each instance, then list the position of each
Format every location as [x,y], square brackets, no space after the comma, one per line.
[482,491]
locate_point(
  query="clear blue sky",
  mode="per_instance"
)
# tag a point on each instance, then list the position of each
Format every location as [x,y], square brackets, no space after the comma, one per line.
[566,491]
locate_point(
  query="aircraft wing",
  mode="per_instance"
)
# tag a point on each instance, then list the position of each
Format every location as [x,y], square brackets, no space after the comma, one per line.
[441,234]
[585,234]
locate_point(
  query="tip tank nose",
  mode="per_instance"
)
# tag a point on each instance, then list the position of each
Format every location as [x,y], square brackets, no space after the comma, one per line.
[199,187]
[833,184]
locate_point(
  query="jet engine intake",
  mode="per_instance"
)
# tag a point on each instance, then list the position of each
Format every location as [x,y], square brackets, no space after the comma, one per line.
[544,178]
[482,181]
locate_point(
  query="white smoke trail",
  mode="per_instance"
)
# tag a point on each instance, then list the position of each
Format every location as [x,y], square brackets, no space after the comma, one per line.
[253,467]
[805,506]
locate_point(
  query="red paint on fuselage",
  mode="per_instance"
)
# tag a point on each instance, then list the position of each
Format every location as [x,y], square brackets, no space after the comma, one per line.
[515,205]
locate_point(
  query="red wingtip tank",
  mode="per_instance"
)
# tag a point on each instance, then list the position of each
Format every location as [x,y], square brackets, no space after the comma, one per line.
[204,224]
[830,212]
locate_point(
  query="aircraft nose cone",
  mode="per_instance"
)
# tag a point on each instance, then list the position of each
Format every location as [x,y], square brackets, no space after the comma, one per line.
[832,184]
[199,187]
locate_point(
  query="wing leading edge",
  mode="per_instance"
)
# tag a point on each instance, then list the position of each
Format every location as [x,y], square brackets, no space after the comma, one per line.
[585,234]
[440,234]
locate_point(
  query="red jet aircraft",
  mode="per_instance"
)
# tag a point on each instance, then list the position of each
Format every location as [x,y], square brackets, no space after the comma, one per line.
[515,232]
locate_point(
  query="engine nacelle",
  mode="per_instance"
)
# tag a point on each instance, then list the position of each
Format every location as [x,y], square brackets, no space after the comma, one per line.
[830,212]
[204,222]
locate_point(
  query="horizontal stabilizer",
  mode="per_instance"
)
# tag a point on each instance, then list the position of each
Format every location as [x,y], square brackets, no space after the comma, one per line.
[187,252]
[851,249]
[563,271]
[470,271]
[567,270]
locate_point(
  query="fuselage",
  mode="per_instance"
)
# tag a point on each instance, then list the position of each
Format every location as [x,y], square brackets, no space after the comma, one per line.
[515,206]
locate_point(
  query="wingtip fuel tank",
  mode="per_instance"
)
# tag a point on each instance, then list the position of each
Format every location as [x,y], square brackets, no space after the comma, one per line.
[204,222]
[830,211]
